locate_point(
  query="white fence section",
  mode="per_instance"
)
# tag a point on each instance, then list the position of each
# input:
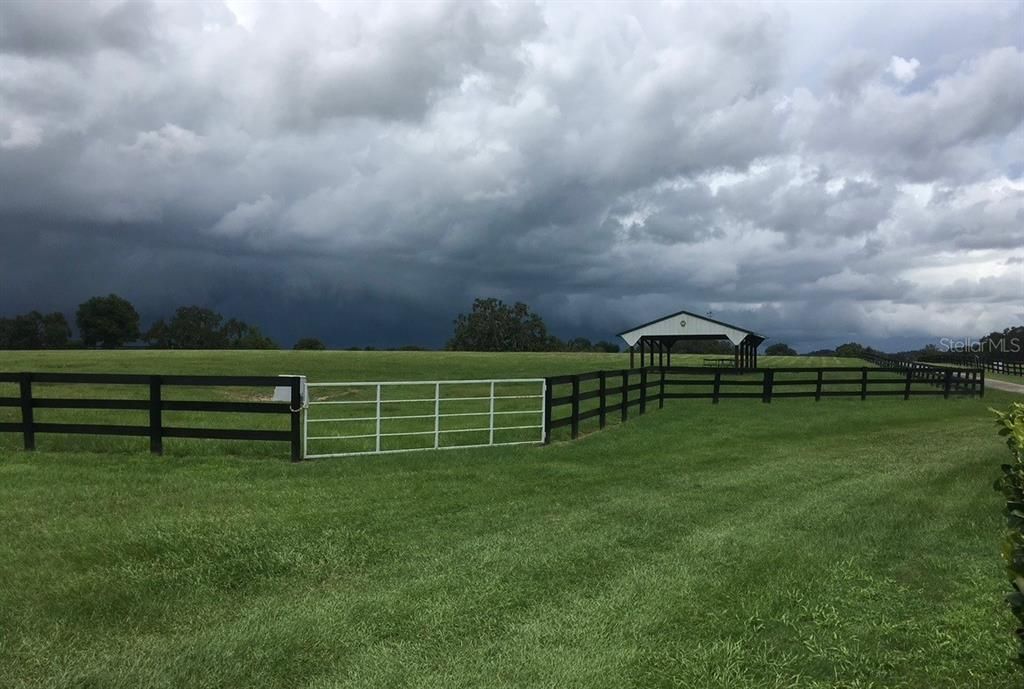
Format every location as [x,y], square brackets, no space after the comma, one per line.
[359,418]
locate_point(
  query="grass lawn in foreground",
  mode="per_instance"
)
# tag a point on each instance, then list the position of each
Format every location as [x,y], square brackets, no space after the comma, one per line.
[798,544]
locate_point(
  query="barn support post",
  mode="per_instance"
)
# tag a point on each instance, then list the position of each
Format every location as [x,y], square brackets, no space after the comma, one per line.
[736,356]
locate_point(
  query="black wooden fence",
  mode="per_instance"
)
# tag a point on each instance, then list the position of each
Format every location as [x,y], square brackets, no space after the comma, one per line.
[1012,368]
[622,390]
[155,404]
[922,370]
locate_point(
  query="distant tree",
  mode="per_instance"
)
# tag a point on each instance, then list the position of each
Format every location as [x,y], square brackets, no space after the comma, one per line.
[195,327]
[412,348]
[6,335]
[22,331]
[158,336]
[554,344]
[1005,345]
[34,330]
[606,346]
[780,349]
[579,344]
[309,343]
[240,335]
[822,352]
[494,326]
[851,349]
[55,331]
[108,321]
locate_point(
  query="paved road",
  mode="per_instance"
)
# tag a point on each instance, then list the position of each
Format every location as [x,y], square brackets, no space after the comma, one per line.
[1003,385]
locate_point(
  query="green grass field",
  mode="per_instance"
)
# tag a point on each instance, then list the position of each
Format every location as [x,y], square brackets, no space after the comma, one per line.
[798,544]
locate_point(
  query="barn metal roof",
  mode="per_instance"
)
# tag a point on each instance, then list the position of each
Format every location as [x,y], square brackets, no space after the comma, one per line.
[693,326]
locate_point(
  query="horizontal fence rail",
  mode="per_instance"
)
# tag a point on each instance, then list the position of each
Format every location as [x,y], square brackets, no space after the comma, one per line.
[935,375]
[155,430]
[1010,368]
[360,418]
[572,399]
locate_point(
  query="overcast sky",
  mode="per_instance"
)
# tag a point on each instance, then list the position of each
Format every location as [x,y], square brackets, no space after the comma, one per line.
[819,172]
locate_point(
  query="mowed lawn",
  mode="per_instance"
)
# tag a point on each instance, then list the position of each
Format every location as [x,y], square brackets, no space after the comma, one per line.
[797,544]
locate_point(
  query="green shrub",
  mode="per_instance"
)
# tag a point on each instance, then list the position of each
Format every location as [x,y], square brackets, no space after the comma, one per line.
[1011,426]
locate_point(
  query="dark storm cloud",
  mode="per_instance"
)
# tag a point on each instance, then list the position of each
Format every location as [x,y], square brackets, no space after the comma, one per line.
[362,171]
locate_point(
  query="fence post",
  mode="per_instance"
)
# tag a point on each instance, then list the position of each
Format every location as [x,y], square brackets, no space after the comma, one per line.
[906,386]
[625,394]
[947,379]
[491,417]
[437,416]
[766,387]
[602,398]
[377,431]
[575,407]
[661,390]
[982,383]
[643,391]
[156,426]
[864,383]
[28,426]
[817,387]
[718,387]
[547,410]
[296,408]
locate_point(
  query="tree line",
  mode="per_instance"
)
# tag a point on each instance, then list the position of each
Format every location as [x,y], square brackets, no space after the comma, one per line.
[112,321]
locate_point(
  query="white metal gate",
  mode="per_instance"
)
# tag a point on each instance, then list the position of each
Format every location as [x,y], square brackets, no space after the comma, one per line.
[359,418]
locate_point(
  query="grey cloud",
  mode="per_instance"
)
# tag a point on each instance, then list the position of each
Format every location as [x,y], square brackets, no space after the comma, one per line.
[381,165]
[921,134]
[70,29]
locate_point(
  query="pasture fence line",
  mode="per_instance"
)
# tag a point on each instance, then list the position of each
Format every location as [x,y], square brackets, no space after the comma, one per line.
[935,375]
[597,394]
[1011,368]
[156,405]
